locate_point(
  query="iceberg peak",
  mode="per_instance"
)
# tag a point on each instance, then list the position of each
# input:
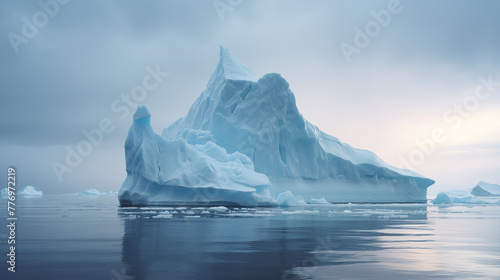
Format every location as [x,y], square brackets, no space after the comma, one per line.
[142,112]
[231,68]
[259,119]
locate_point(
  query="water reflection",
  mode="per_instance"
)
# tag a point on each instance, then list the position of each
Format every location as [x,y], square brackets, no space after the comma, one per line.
[265,243]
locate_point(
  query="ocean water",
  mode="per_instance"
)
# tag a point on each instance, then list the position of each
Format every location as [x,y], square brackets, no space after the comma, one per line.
[77,237]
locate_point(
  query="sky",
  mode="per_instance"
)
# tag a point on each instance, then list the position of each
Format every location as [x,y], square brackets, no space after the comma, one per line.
[416,82]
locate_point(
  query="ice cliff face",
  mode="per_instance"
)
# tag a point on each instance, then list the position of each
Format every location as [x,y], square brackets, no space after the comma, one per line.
[173,172]
[259,118]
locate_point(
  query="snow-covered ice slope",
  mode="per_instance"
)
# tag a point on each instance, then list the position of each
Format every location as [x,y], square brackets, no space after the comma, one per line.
[173,172]
[259,118]
[486,189]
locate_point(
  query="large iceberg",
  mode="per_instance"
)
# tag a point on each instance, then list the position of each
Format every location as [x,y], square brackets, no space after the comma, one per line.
[174,172]
[486,189]
[257,119]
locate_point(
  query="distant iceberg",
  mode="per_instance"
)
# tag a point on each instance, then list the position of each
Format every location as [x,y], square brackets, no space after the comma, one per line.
[89,192]
[108,193]
[243,140]
[441,198]
[4,192]
[447,198]
[95,192]
[286,199]
[318,201]
[486,189]
[30,191]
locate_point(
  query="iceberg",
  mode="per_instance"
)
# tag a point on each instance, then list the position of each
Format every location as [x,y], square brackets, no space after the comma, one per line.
[486,189]
[95,192]
[4,192]
[441,198]
[257,119]
[318,201]
[173,172]
[447,198]
[30,191]
[109,193]
[89,192]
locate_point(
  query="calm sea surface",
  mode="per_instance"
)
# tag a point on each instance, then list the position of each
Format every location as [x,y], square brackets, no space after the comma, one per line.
[73,237]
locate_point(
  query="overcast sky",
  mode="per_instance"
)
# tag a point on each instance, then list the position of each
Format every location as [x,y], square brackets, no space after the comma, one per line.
[410,78]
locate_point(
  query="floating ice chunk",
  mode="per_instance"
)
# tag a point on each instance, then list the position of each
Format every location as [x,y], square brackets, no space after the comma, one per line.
[218,209]
[286,199]
[441,198]
[318,201]
[30,191]
[300,212]
[167,216]
[4,192]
